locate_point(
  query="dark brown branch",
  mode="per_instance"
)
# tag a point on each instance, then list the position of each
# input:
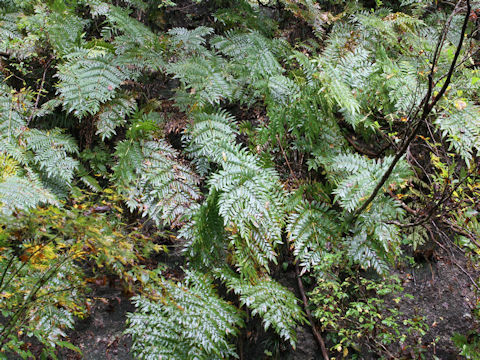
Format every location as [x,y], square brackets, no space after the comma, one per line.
[317,335]
[361,149]
[402,204]
[431,211]
[427,108]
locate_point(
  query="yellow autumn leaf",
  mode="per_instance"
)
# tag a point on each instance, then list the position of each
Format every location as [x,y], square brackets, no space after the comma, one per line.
[5,295]
[49,253]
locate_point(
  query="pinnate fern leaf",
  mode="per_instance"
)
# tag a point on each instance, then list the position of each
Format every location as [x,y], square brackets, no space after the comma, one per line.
[113,114]
[20,193]
[276,305]
[89,78]
[185,320]
[359,175]
[460,125]
[154,181]
[311,227]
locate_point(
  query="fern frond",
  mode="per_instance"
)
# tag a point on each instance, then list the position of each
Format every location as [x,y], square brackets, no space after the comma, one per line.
[460,125]
[360,175]
[375,240]
[190,41]
[250,49]
[204,79]
[250,199]
[206,134]
[113,114]
[136,46]
[355,68]
[307,67]
[130,158]
[376,222]
[183,321]
[154,181]
[205,235]
[401,81]
[251,204]
[340,92]
[12,115]
[283,90]
[363,253]
[310,228]
[64,31]
[88,79]
[51,149]
[19,193]
[339,42]
[245,15]
[120,19]
[8,28]
[276,305]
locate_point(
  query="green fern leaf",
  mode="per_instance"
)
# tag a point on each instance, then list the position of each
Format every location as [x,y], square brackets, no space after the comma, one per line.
[190,41]
[113,114]
[360,175]
[311,228]
[154,181]
[88,79]
[183,321]
[461,126]
[19,193]
[275,304]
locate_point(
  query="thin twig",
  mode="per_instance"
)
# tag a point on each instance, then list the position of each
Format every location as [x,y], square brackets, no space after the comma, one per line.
[444,198]
[317,335]
[39,92]
[402,204]
[285,157]
[360,148]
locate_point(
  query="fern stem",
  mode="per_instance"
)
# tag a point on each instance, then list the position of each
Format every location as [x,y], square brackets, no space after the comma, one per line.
[286,159]
[39,93]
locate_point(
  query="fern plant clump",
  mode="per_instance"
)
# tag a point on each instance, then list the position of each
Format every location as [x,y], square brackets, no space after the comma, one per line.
[245,139]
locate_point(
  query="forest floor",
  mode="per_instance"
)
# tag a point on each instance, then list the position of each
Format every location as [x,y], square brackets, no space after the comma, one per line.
[442,289]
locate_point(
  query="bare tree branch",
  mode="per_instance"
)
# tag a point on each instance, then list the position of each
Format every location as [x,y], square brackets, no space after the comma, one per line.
[317,335]
[427,105]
